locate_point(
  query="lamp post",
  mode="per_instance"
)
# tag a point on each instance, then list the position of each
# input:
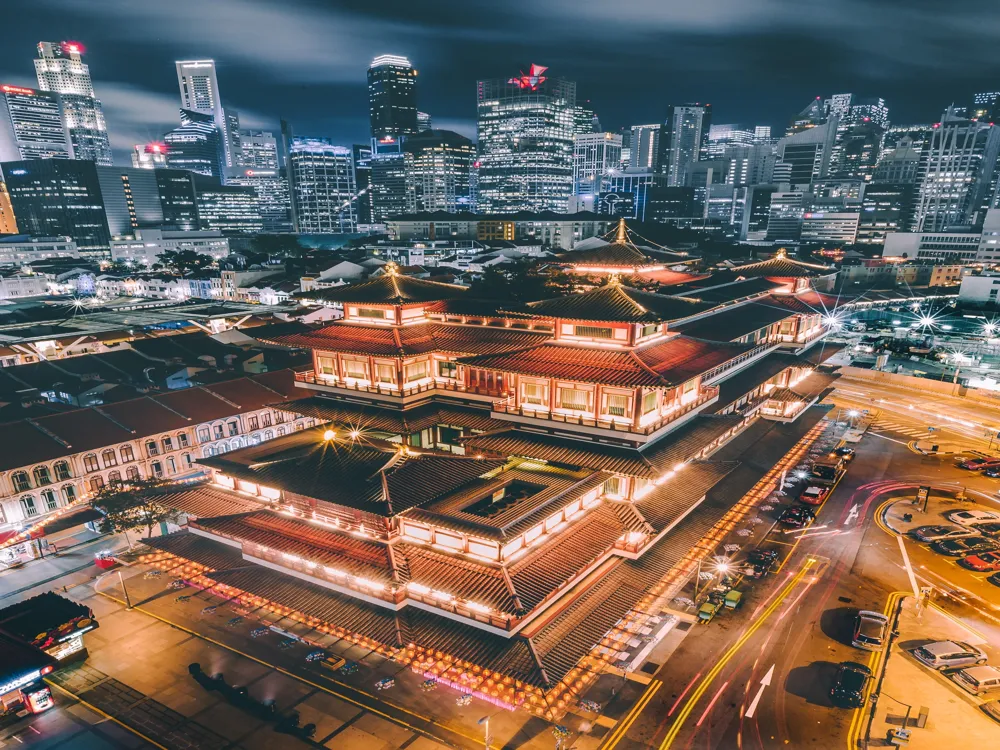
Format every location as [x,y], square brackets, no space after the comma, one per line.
[485,724]
[128,602]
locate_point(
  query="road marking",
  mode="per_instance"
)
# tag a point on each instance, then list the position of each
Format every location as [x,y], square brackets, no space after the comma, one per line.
[892,440]
[909,568]
[805,529]
[711,703]
[764,682]
[733,650]
[615,737]
[681,696]
[852,515]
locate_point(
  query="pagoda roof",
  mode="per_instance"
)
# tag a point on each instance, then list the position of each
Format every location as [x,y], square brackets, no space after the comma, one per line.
[732,323]
[388,289]
[781,266]
[363,474]
[621,255]
[405,341]
[370,417]
[619,304]
[665,363]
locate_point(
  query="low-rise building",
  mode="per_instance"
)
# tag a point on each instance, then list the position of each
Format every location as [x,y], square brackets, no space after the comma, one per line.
[147,245]
[560,231]
[22,249]
[19,285]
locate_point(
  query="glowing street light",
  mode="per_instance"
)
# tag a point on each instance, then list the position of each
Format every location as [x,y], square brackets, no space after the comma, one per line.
[329,435]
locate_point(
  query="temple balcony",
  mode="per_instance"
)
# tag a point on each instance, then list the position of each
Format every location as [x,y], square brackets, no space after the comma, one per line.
[605,425]
[390,393]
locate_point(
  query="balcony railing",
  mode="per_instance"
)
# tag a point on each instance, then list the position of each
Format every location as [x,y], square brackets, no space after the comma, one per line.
[508,406]
[363,386]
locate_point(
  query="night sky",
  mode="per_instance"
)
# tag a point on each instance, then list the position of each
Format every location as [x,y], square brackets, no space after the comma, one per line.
[756,61]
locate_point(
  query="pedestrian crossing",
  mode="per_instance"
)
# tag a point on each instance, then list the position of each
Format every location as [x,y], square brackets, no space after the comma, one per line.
[910,429]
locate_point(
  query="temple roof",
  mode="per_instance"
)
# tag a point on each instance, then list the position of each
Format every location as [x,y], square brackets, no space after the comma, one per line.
[665,363]
[781,266]
[621,255]
[388,289]
[734,322]
[619,304]
[405,341]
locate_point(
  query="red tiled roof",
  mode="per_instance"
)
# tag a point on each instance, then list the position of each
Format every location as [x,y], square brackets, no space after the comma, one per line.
[206,501]
[410,340]
[665,363]
[734,322]
[388,289]
[386,420]
[619,304]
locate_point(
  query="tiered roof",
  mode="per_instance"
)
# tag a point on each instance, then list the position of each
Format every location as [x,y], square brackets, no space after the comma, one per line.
[662,364]
[619,304]
[391,288]
[364,418]
[731,324]
[406,341]
[621,255]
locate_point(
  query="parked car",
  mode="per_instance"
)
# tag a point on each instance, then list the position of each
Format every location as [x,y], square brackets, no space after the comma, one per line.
[949,655]
[994,579]
[870,630]
[978,680]
[850,684]
[814,494]
[965,546]
[939,532]
[987,528]
[983,562]
[992,709]
[993,473]
[759,563]
[797,517]
[969,517]
[978,464]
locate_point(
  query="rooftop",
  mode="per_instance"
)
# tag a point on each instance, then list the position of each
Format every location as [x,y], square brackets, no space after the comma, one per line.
[390,288]
[617,303]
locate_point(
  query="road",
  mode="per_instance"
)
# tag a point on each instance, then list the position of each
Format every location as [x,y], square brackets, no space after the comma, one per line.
[796,628]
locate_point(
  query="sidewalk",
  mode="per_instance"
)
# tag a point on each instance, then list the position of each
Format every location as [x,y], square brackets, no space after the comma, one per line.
[952,711]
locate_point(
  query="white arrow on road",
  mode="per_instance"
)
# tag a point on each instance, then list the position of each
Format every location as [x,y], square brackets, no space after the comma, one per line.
[764,682]
[851,514]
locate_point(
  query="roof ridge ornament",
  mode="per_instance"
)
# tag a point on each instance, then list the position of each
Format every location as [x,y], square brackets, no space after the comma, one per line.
[621,237]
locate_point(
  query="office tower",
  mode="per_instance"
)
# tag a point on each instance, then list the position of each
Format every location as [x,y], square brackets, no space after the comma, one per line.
[839,105]
[199,88]
[61,70]
[392,97]
[595,156]
[749,165]
[627,194]
[231,209]
[984,106]
[722,136]
[439,170]
[131,199]
[8,223]
[685,135]
[321,185]
[762,134]
[178,199]
[271,190]
[784,222]
[756,212]
[258,150]
[32,125]
[901,152]
[626,149]
[363,182]
[808,152]
[873,111]
[151,156]
[645,147]
[886,207]
[525,142]
[856,151]
[814,113]
[585,120]
[956,174]
[423,122]
[195,144]
[391,190]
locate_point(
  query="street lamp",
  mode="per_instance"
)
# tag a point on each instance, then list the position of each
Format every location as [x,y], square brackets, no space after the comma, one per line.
[485,724]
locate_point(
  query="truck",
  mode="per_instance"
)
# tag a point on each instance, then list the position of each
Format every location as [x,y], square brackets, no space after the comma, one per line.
[828,471]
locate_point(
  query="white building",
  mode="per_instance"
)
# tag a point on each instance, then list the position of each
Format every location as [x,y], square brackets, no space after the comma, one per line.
[149,244]
[22,249]
[829,226]
[968,247]
[594,156]
[20,285]
[982,289]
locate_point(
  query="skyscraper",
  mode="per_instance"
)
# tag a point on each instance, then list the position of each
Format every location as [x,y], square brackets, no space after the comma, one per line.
[956,174]
[391,189]
[195,144]
[984,106]
[32,125]
[645,153]
[424,122]
[439,170]
[363,181]
[526,142]
[61,70]
[865,111]
[199,89]
[595,155]
[258,150]
[808,152]
[392,97]
[322,186]
[685,134]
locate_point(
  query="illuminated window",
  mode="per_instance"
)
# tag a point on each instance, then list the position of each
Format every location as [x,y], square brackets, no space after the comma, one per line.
[356,369]
[90,462]
[126,453]
[417,371]
[573,398]
[534,393]
[594,332]
[447,370]
[132,472]
[648,402]
[616,404]
[109,458]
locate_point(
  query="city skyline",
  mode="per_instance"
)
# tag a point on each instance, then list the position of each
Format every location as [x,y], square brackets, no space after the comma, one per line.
[309,67]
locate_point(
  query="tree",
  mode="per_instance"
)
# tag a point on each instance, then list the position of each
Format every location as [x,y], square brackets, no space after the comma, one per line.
[134,505]
[183,261]
[277,244]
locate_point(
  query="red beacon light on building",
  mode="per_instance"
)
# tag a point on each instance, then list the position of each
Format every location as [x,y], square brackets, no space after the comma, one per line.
[74,48]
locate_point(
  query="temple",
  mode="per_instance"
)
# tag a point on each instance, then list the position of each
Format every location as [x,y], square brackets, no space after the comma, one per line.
[498,494]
